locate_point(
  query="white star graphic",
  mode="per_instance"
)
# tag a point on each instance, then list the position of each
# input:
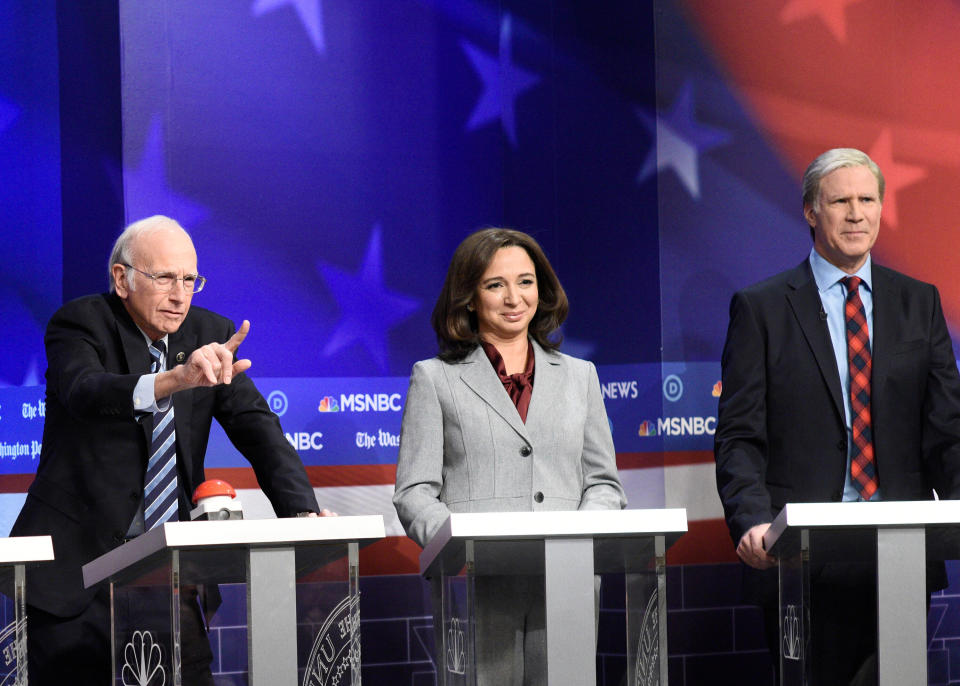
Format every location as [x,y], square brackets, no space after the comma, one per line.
[503,82]
[831,12]
[309,11]
[896,175]
[367,307]
[31,377]
[146,190]
[680,141]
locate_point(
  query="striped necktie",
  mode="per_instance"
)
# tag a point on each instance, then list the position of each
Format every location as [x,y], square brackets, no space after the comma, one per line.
[160,483]
[863,467]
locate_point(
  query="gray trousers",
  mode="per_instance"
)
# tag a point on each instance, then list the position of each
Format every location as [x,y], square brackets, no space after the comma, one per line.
[511,636]
[511,631]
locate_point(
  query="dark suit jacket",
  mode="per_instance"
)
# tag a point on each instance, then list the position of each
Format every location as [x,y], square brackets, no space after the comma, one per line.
[781,433]
[89,481]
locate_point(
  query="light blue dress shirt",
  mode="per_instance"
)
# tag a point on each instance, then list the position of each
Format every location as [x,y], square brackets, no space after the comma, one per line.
[833,297]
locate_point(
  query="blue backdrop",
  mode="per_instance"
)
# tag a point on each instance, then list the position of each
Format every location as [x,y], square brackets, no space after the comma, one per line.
[328,155]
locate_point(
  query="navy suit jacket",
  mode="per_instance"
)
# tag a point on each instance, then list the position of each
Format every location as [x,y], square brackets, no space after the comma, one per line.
[89,481]
[781,434]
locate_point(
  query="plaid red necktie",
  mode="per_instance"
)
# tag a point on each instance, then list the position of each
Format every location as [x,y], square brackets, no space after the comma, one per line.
[863,466]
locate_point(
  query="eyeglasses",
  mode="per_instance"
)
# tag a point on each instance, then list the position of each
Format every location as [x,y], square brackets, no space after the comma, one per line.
[192,283]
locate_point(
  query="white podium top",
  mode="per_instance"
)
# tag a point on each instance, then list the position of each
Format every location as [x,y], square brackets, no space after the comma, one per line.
[21,549]
[508,526]
[233,533]
[904,513]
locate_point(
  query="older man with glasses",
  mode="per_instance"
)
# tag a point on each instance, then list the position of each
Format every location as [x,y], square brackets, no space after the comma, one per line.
[135,377]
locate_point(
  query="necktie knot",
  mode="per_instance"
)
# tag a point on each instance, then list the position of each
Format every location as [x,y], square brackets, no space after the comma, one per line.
[852,283]
[157,351]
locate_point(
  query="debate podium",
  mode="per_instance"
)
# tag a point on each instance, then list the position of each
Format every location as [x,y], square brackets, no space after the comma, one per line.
[16,554]
[558,554]
[899,538]
[299,607]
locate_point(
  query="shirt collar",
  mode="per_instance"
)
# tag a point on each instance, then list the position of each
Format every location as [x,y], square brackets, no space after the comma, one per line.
[150,341]
[827,275]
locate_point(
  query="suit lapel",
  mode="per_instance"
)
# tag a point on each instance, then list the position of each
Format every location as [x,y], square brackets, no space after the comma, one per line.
[135,352]
[479,375]
[804,299]
[132,340]
[884,328]
[547,377]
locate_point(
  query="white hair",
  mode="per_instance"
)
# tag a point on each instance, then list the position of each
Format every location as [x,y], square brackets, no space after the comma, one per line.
[123,248]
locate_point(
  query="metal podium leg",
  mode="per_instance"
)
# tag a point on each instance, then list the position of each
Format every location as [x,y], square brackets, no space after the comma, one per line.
[570,599]
[272,616]
[353,573]
[660,550]
[901,607]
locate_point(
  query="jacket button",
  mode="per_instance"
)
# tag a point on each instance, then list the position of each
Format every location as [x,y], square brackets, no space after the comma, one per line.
[525,451]
[134,495]
[842,445]
[538,497]
[118,537]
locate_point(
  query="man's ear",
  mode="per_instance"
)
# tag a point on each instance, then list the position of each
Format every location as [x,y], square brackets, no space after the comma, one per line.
[810,215]
[120,280]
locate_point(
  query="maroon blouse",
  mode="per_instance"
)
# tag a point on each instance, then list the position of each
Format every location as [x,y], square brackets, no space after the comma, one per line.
[518,386]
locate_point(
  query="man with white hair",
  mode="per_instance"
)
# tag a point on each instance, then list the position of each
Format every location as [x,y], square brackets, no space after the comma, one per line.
[839,383]
[135,377]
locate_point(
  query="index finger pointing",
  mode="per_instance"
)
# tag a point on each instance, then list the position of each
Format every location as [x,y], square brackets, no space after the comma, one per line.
[237,338]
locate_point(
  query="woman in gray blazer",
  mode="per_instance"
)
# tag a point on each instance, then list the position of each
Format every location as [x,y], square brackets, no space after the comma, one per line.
[502,421]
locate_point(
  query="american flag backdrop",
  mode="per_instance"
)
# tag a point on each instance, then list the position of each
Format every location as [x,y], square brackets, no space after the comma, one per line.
[328,155]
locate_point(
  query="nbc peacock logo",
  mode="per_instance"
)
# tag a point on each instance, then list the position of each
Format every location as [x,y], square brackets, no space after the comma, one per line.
[329,404]
[647,428]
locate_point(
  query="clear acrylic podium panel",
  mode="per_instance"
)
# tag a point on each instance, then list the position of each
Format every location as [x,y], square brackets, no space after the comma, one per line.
[794,598]
[463,592]
[890,542]
[17,554]
[858,549]
[487,568]
[13,616]
[848,547]
[646,603]
[300,606]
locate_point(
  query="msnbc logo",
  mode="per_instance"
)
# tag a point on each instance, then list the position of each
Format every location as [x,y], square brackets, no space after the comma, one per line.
[679,426]
[329,404]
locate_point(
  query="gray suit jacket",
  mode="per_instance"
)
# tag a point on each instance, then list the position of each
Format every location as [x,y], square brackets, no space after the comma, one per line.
[463,447]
